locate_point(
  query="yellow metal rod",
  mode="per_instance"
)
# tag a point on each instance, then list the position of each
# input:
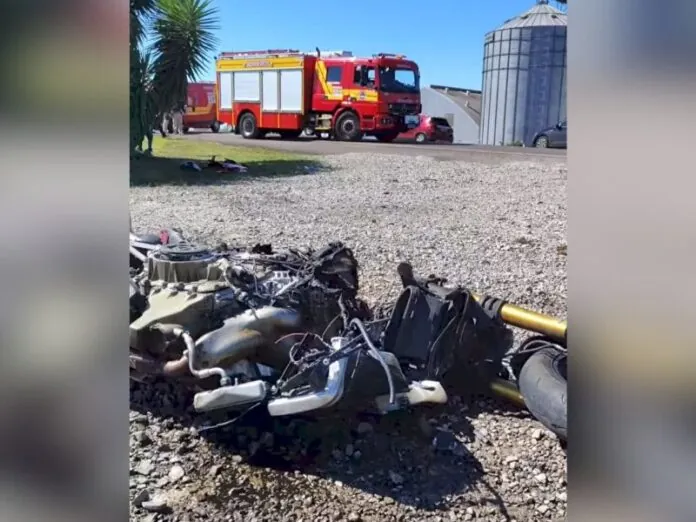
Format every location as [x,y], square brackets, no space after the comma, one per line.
[509,391]
[533,321]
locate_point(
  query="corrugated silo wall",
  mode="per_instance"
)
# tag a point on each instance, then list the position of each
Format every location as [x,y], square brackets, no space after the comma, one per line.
[524,83]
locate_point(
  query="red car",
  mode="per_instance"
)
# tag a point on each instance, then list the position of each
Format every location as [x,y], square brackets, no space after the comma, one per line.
[430,128]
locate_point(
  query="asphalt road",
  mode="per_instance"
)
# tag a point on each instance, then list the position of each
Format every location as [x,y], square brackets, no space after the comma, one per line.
[328,147]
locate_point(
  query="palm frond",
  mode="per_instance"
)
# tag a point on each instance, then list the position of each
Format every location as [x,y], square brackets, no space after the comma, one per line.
[141,12]
[184,39]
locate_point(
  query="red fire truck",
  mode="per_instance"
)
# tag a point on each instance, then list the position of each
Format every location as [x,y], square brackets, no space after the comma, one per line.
[201,108]
[285,91]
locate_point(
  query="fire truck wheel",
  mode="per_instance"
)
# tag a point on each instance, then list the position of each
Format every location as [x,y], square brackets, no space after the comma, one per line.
[348,127]
[185,130]
[247,125]
[215,127]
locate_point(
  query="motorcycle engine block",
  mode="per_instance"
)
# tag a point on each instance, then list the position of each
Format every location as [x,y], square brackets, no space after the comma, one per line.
[180,282]
[181,262]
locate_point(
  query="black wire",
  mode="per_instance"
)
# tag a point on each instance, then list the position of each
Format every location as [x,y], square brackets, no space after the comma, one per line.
[328,327]
[229,422]
[319,356]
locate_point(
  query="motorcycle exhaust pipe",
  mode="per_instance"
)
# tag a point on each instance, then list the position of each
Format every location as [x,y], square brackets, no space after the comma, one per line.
[147,366]
[242,336]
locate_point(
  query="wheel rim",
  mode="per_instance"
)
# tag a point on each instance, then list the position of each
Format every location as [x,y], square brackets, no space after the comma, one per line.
[420,138]
[247,126]
[541,143]
[348,127]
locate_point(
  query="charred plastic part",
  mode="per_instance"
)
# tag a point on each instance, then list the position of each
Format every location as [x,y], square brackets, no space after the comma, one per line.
[337,268]
[378,357]
[405,272]
[510,314]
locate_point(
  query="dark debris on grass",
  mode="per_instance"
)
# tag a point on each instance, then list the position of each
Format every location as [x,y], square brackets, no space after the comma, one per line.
[153,170]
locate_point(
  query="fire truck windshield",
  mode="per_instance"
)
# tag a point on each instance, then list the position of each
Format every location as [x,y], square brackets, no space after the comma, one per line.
[398,79]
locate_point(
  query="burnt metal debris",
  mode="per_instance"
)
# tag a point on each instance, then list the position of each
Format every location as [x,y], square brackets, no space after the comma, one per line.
[250,327]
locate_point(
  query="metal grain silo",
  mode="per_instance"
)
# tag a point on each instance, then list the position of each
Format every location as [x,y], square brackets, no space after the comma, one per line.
[524,76]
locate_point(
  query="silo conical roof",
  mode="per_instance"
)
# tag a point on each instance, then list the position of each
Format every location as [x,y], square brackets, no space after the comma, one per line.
[541,15]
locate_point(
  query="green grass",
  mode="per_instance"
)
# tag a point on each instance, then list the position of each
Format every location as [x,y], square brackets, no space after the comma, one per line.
[164,166]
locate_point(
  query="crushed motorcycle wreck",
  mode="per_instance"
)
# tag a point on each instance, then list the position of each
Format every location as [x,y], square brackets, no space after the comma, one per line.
[287,331]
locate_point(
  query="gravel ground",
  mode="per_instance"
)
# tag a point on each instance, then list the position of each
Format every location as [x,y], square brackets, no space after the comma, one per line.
[498,228]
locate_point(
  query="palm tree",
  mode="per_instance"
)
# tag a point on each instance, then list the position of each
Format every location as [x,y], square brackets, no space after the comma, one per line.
[171,41]
[141,12]
[183,41]
[142,102]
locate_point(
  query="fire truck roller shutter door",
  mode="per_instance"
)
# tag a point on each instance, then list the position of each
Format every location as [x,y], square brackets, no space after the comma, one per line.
[247,86]
[271,93]
[291,95]
[226,91]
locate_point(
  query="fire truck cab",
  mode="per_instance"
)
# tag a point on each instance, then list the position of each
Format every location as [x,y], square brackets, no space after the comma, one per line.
[201,112]
[286,92]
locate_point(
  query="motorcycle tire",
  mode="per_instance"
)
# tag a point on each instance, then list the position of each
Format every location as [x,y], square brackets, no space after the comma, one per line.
[543,383]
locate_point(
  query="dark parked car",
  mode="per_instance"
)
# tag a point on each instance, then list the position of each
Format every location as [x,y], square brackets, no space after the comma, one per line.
[556,136]
[429,129]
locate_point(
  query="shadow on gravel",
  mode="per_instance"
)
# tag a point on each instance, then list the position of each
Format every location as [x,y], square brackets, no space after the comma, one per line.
[410,458]
[154,170]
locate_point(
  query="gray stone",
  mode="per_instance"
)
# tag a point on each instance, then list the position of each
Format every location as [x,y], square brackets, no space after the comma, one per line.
[176,473]
[145,467]
[141,497]
[156,506]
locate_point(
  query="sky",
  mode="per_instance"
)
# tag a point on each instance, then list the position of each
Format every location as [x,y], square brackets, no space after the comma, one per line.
[445,37]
